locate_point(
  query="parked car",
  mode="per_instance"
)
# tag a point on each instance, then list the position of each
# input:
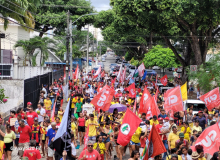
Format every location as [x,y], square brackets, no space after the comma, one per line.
[171,69]
[112,65]
[155,68]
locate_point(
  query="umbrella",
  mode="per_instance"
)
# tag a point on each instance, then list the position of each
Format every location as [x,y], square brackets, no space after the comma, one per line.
[120,107]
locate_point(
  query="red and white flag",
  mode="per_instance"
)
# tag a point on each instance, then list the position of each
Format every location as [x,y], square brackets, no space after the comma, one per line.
[119,73]
[123,75]
[131,89]
[164,80]
[77,72]
[152,108]
[145,97]
[211,99]
[129,125]
[141,69]
[97,72]
[209,139]
[103,99]
[173,100]
[103,74]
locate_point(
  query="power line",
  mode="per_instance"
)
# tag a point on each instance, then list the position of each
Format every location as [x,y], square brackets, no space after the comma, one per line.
[33,12]
[64,6]
[29,27]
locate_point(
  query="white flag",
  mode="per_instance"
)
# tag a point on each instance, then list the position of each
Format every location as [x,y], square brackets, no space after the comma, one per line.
[141,69]
[119,73]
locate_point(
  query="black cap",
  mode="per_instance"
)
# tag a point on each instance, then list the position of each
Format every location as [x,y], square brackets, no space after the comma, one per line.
[154,117]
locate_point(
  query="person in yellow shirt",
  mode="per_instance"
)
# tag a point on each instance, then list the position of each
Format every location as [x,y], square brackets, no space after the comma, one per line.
[92,125]
[60,113]
[186,130]
[100,146]
[74,127]
[135,140]
[172,138]
[174,151]
[47,105]
[154,121]
[114,102]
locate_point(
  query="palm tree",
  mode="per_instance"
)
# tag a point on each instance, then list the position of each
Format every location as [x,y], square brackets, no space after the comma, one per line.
[42,45]
[20,10]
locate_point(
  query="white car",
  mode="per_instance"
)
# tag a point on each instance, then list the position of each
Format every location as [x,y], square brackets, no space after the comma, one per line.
[155,67]
[179,70]
[197,105]
[103,59]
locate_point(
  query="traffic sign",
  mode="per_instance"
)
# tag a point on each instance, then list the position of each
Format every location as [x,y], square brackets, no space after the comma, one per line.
[193,68]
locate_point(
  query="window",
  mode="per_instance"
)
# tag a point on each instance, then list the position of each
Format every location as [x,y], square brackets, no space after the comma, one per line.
[6,70]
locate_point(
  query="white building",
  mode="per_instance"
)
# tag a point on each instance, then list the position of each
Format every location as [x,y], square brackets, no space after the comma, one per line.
[97,32]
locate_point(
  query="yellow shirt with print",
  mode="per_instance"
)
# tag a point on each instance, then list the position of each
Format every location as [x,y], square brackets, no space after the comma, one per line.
[130,101]
[74,100]
[188,132]
[91,125]
[172,138]
[153,122]
[47,104]
[60,116]
[101,147]
[136,136]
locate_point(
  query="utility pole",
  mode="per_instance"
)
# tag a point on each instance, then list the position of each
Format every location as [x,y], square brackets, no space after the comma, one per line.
[100,52]
[71,50]
[67,47]
[87,59]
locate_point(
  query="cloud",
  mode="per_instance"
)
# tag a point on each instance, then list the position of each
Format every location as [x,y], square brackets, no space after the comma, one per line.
[101,4]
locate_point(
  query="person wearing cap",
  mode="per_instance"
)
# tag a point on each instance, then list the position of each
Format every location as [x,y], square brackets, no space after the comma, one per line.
[195,156]
[201,119]
[172,138]
[25,133]
[30,116]
[181,139]
[171,121]
[89,153]
[36,132]
[29,104]
[50,137]
[154,121]
[162,135]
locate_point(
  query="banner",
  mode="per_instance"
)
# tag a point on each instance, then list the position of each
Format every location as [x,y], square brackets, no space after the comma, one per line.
[131,89]
[103,99]
[184,91]
[164,80]
[173,100]
[145,97]
[211,99]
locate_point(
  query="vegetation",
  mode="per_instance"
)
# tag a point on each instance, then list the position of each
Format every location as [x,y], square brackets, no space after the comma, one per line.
[3,98]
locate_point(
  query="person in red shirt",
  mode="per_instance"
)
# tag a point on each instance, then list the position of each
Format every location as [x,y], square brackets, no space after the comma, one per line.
[25,133]
[20,112]
[58,122]
[30,116]
[89,153]
[32,153]
[158,127]
[36,131]
[12,115]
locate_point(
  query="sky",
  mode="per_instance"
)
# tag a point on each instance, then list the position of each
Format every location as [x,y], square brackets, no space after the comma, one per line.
[101,4]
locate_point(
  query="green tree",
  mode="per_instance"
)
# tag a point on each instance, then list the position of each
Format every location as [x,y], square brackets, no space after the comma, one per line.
[23,16]
[162,57]
[193,22]
[53,16]
[44,45]
[208,74]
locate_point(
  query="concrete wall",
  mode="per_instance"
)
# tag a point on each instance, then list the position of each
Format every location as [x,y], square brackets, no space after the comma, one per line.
[14,89]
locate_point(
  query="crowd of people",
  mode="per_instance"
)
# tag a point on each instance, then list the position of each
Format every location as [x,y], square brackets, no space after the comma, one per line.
[32,131]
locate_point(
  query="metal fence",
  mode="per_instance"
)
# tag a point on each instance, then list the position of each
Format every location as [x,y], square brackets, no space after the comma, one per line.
[33,86]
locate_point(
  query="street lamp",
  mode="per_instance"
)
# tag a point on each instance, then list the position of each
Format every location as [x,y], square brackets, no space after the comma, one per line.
[71,63]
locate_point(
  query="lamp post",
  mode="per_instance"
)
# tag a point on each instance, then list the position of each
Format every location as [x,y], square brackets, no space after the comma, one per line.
[71,60]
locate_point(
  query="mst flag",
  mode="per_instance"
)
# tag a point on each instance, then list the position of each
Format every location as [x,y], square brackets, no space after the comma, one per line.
[104,98]
[173,100]
[141,69]
[211,99]
[154,145]
[63,135]
[131,89]
[209,139]
[145,97]
[129,125]
[163,80]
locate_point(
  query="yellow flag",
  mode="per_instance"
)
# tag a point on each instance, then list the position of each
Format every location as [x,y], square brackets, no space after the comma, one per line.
[184,91]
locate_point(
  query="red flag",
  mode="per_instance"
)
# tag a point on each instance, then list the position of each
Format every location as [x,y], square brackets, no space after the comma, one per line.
[77,72]
[104,98]
[53,112]
[153,143]
[97,72]
[129,125]
[152,108]
[134,107]
[209,139]
[123,75]
[103,74]
[156,94]
[154,84]
[163,80]
[145,97]
[211,99]
[86,138]
[173,100]
[113,82]
[131,90]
